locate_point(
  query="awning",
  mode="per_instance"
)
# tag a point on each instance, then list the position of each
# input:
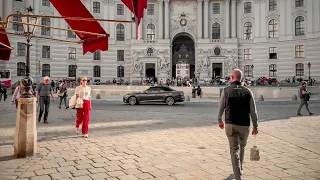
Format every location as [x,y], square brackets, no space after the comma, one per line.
[75,8]
[5,48]
[136,7]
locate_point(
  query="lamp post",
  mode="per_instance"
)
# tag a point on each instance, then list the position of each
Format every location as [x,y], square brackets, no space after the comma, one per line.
[252,70]
[309,66]
[75,74]
[28,31]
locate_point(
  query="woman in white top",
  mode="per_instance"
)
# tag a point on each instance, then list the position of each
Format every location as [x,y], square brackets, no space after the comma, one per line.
[83,114]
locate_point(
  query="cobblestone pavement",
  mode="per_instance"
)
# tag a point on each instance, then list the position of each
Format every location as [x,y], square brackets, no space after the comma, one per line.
[161,142]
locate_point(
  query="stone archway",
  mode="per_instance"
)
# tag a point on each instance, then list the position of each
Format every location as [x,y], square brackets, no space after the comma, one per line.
[183,56]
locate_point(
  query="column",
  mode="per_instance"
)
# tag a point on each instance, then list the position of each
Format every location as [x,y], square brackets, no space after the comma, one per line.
[160,19]
[233,19]
[282,17]
[111,15]
[316,14]
[7,10]
[309,25]
[227,20]
[263,22]
[256,30]
[289,18]
[167,15]
[206,19]
[199,19]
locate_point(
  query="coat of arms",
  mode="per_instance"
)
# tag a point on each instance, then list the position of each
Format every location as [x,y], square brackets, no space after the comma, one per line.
[183,21]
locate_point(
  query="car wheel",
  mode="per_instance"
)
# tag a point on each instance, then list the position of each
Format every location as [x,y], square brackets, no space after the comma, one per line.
[132,101]
[170,101]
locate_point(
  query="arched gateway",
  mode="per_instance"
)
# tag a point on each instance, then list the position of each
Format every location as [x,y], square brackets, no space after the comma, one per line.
[183,56]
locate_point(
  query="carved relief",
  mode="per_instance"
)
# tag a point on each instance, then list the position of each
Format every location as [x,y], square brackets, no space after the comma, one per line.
[203,64]
[163,64]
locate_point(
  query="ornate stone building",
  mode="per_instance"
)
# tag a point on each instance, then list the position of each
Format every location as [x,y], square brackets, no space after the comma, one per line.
[272,38]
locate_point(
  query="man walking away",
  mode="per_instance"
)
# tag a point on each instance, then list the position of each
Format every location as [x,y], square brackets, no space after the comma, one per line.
[304,96]
[238,103]
[44,91]
[3,91]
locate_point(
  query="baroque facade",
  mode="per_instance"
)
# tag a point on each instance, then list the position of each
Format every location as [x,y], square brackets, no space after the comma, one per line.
[271,38]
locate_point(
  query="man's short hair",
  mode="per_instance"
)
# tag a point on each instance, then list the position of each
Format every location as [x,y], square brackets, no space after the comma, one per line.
[237,73]
[46,78]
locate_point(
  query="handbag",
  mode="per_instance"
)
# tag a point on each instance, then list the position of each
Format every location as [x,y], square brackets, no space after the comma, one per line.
[254,152]
[79,103]
[72,101]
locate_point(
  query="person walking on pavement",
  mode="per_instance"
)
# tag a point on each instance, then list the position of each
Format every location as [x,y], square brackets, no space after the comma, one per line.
[43,93]
[83,114]
[16,95]
[238,103]
[304,96]
[62,93]
[199,91]
[53,85]
[3,91]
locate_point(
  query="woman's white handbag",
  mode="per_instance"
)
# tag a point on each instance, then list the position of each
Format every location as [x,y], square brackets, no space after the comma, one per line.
[79,103]
[72,101]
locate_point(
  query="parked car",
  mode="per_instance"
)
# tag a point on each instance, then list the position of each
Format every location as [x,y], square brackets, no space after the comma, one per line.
[155,94]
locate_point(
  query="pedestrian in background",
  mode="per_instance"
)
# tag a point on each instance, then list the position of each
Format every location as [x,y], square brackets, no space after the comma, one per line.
[3,91]
[63,94]
[16,95]
[238,103]
[304,96]
[199,91]
[83,114]
[44,91]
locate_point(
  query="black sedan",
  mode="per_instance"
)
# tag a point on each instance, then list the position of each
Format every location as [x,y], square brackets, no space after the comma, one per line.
[155,94]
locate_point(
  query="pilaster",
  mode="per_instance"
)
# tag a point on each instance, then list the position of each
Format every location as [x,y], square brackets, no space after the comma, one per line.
[199,19]
[167,15]
[227,20]
[206,19]
[160,18]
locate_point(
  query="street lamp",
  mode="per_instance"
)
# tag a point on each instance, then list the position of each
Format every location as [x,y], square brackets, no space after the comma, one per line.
[75,75]
[252,70]
[309,66]
[29,29]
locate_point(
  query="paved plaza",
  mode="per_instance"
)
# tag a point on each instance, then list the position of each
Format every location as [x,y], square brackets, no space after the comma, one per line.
[163,142]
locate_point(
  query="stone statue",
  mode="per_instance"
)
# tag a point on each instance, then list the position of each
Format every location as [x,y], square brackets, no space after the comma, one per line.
[234,62]
[204,64]
[163,64]
[137,65]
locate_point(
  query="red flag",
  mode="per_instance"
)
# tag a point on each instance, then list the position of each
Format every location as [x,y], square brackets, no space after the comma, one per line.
[75,8]
[5,50]
[136,7]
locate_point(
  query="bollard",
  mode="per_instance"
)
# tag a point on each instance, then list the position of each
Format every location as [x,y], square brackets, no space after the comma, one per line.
[294,97]
[188,98]
[98,96]
[261,98]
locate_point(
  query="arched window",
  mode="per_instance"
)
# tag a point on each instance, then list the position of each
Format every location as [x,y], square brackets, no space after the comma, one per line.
[299,69]
[150,52]
[299,26]
[151,32]
[120,71]
[21,69]
[72,71]
[273,28]
[272,70]
[46,70]
[17,27]
[45,22]
[120,32]
[247,30]
[215,31]
[96,71]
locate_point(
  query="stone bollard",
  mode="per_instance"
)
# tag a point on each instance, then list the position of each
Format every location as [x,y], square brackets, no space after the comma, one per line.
[98,96]
[261,98]
[188,98]
[294,97]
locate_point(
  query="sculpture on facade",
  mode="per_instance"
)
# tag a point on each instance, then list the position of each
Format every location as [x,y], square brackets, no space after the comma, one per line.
[163,64]
[136,64]
[203,64]
[234,62]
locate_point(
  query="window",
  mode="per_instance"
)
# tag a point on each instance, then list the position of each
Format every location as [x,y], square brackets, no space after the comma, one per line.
[19,0]
[96,71]
[72,71]
[299,3]
[45,51]
[215,31]
[120,32]
[120,9]
[150,52]
[299,69]
[4,74]
[150,9]
[273,53]
[272,5]
[272,70]
[72,53]
[120,71]
[96,7]
[299,26]
[247,30]
[17,27]
[216,8]
[247,54]
[46,70]
[248,71]
[299,51]
[97,55]
[120,55]
[247,7]
[45,31]
[21,50]
[46,3]
[71,34]
[273,28]
[21,69]
[151,32]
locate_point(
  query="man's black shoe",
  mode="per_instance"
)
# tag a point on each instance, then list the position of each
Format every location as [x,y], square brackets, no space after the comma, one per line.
[299,114]
[39,120]
[59,107]
[310,114]
[46,122]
